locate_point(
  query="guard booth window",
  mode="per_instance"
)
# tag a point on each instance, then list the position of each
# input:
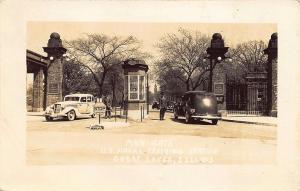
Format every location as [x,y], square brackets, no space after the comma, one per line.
[133,87]
[136,87]
[142,87]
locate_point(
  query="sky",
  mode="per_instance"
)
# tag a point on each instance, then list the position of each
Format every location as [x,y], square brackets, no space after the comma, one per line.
[148,33]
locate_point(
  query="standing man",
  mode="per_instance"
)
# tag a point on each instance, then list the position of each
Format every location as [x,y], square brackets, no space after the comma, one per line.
[104,100]
[162,106]
[108,107]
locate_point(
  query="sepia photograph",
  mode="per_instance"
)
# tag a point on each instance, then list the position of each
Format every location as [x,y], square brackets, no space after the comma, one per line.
[151,93]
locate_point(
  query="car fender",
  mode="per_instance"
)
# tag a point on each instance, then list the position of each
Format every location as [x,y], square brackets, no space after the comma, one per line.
[48,110]
[67,109]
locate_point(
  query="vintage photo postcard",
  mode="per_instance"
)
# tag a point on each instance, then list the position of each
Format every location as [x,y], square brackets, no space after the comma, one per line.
[151,93]
[162,95]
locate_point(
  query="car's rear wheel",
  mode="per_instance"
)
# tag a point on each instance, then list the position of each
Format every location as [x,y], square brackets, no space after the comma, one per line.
[187,117]
[49,118]
[71,115]
[214,121]
[93,115]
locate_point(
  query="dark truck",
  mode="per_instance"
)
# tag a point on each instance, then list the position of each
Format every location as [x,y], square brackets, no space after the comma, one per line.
[197,105]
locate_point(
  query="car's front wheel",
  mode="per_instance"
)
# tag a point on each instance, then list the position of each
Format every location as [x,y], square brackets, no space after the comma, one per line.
[187,117]
[71,115]
[49,118]
[93,115]
[214,121]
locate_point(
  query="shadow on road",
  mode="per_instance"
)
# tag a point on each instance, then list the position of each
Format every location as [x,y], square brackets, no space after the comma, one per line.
[65,120]
[192,122]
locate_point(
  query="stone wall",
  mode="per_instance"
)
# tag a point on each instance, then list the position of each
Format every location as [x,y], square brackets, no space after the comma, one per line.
[274,88]
[54,81]
[38,93]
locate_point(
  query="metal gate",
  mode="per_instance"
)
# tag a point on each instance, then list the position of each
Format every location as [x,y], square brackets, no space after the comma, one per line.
[257,98]
[236,96]
[246,98]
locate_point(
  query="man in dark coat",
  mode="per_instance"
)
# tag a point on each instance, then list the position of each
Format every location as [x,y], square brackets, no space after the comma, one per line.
[162,106]
[108,107]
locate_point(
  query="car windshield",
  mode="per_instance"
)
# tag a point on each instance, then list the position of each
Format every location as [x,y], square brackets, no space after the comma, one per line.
[71,98]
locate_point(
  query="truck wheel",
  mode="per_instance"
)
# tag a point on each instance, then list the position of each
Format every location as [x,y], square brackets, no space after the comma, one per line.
[49,118]
[187,117]
[71,115]
[214,121]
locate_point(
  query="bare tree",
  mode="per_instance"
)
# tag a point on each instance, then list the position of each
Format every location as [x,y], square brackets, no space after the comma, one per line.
[100,53]
[170,81]
[76,79]
[182,57]
[115,84]
[248,57]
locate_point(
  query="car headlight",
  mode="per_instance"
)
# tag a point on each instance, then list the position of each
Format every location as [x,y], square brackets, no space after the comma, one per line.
[207,102]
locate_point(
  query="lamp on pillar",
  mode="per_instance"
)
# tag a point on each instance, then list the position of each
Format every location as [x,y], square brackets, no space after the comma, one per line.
[271,51]
[135,97]
[216,53]
[55,51]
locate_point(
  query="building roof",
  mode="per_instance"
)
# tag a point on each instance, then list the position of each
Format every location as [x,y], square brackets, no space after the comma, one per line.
[35,58]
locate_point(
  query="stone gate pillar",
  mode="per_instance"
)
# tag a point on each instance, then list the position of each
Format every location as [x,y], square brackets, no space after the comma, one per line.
[271,51]
[274,87]
[55,51]
[219,86]
[38,92]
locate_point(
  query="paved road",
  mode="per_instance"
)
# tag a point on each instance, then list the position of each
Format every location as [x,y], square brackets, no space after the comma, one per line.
[152,141]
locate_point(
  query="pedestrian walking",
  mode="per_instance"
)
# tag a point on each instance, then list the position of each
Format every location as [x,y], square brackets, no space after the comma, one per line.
[162,106]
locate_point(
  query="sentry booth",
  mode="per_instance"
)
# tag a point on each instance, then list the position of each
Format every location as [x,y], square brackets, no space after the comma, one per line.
[135,94]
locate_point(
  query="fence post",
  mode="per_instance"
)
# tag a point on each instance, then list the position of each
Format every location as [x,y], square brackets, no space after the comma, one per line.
[141,114]
[99,117]
[115,114]
[126,115]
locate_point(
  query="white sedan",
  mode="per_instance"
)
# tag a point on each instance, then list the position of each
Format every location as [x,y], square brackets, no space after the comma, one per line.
[74,106]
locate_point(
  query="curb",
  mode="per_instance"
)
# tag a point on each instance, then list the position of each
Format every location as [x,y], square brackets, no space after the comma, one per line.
[249,122]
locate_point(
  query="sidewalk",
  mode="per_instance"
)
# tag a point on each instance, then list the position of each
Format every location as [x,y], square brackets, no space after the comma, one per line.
[249,119]
[258,120]
[29,113]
